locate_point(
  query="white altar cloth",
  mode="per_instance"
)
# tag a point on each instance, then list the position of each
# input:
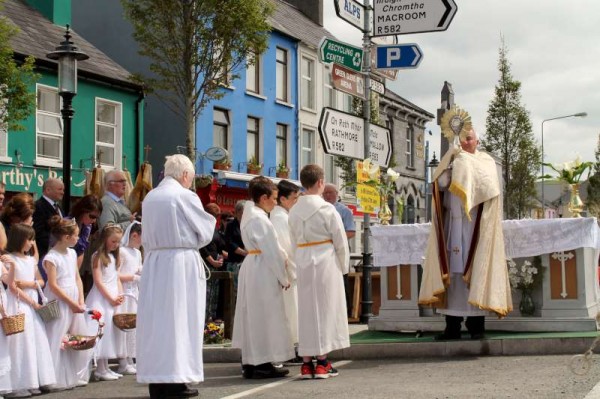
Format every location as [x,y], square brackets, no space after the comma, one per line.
[405,243]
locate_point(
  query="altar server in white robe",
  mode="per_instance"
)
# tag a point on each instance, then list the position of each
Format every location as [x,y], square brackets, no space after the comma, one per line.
[322,258]
[260,328]
[466,280]
[172,297]
[287,195]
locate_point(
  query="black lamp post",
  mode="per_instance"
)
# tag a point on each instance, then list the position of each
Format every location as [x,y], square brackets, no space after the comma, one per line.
[67,55]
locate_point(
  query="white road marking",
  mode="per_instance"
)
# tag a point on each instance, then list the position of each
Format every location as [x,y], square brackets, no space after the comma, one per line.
[276,384]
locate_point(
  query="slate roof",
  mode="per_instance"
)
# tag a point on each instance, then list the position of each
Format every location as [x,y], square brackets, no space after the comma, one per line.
[38,36]
[395,97]
[289,20]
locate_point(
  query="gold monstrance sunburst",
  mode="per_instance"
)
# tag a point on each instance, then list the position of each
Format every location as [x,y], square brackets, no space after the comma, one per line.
[456,124]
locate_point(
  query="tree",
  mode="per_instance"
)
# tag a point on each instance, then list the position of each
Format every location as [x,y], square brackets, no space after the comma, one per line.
[509,136]
[196,47]
[17,102]
[593,189]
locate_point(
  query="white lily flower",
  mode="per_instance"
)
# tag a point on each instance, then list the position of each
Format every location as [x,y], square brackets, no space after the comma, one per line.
[393,175]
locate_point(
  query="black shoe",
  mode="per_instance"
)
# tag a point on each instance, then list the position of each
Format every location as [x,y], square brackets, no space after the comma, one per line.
[247,370]
[269,373]
[178,391]
[155,390]
[446,337]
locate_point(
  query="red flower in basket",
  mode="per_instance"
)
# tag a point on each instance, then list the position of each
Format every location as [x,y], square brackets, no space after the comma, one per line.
[96,315]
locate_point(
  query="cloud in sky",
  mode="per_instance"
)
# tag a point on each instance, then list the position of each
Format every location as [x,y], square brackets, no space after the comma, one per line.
[553,50]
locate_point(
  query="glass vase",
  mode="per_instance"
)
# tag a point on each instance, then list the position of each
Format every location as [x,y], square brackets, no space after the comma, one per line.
[575,203]
[526,306]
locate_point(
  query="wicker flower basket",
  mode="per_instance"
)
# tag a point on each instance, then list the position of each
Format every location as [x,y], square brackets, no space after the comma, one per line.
[49,310]
[125,321]
[12,324]
[86,342]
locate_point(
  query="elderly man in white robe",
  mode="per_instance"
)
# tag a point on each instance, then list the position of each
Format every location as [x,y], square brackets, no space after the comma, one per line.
[260,327]
[469,277]
[287,195]
[322,258]
[172,297]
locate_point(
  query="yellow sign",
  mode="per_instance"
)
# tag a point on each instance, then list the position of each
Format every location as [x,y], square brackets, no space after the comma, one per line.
[367,198]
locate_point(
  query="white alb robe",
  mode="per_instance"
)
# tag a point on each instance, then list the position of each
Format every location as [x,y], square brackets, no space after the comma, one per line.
[322,313]
[172,297]
[260,328]
[279,218]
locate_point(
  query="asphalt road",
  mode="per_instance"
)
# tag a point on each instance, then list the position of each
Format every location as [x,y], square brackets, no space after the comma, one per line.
[468,377]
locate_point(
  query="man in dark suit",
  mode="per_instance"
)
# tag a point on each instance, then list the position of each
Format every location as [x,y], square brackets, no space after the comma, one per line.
[47,206]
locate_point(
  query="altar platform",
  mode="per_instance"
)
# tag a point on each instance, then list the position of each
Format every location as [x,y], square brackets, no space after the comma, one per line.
[567,300]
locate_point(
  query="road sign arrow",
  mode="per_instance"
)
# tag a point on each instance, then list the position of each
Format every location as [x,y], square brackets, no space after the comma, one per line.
[395,18]
[398,56]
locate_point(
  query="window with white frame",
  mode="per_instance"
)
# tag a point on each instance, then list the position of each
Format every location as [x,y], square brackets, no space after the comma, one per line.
[329,94]
[347,102]
[282,72]
[49,132]
[253,74]
[281,144]
[410,159]
[221,128]
[108,132]
[252,148]
[308,147]
[308,83]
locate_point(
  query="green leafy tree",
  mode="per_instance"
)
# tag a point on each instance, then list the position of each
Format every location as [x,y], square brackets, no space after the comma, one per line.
[17,75]
[509,136]
[593,189]
[196,47]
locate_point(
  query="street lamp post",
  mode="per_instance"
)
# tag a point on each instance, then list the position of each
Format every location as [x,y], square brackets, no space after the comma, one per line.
[67,55]
[432,164]
[577,115]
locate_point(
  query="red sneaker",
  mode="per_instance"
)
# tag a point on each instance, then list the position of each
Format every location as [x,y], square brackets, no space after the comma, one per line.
[326,371]
[307,371]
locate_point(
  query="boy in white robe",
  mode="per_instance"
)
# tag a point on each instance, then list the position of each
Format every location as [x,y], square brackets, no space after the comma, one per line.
[260,328]
[287,195]
[321,255]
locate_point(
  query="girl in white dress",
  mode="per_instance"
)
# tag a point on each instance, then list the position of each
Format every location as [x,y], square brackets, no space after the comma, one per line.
[32,365]
[64,285]
[106,296]
[5,385]
[129,273]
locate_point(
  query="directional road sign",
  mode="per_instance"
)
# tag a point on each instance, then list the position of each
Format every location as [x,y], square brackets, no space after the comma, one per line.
[341,53]
[391,74]
[343,134]
[398,56]
[377,86]
[348,81]
[351,11]
[397,18]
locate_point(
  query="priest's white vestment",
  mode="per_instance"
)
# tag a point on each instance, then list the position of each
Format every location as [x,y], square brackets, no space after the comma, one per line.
[321,255]
[170,319]
[260,328]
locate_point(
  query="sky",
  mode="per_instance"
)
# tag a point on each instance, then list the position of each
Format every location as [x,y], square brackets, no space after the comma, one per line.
[554,51]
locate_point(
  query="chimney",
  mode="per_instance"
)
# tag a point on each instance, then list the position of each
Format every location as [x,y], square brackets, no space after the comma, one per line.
[446,103]
[313,9]
[57,11]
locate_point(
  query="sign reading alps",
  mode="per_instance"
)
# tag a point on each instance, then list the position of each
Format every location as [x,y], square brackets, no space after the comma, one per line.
[401,17]
[340,53]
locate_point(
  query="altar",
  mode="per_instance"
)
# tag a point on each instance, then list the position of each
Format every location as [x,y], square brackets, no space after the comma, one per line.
[567,300]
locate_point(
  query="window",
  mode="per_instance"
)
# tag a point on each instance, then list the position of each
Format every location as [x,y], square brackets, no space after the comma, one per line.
[329,94]
[410,161]
[347,102]
[253,139]
[221,128]
[253,74]
[108,133]
[281,144]
[282,74]
[308,147]
[308,83]
[48,123]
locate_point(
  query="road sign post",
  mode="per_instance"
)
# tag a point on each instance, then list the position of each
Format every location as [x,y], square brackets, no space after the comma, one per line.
[393,18]
[341,53]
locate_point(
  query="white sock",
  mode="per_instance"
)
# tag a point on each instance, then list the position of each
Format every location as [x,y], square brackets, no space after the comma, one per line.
[102,366]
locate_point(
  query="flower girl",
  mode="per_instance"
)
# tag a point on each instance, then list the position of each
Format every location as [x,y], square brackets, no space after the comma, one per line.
[32,365]
[64,285]
[106,295]
[129,273]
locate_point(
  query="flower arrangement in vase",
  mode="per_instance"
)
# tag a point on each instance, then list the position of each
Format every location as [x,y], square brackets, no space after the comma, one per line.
[214,333]
[571,174]
[525,278]
[282,171]
[223,164]
[253,166]
[385,183]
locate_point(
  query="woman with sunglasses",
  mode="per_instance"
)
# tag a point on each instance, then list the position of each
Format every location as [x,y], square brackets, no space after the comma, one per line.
[86,212]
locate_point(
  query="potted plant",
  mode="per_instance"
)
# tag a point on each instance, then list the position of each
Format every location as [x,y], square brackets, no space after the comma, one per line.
[223,164]
[282,171]
[253,166]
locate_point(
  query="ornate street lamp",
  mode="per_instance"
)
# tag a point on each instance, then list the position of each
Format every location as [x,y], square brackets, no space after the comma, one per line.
[67,55]
[577,115]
